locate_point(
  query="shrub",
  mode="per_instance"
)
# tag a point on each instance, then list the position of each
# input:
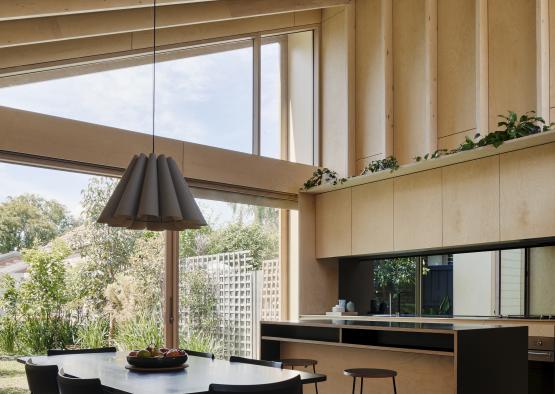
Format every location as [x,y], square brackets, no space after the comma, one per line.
[93,333]
[140,332]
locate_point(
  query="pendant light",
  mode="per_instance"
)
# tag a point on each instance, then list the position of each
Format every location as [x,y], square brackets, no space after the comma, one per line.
[152,193]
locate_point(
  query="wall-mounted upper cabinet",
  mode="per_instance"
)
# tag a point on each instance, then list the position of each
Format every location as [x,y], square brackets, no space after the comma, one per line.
[372,218]
[333,224]
[527,187]
[417,211]
[471,202]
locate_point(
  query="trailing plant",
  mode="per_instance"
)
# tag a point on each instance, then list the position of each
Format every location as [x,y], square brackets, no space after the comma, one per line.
[389,163]
[512,126]
[323,175]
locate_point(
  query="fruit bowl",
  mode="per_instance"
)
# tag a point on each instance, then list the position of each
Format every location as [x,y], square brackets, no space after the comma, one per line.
[156,362]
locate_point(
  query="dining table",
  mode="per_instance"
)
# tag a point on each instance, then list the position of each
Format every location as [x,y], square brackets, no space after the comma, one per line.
[111,369]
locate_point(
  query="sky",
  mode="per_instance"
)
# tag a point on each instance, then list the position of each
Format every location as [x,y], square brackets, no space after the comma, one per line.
[204,99]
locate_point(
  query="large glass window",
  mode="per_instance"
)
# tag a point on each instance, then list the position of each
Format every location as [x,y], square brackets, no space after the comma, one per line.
[204,94]
[393,286]
[229,278]
[66,280]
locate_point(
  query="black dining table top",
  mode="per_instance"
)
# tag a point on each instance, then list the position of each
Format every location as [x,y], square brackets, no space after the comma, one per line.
[196,378]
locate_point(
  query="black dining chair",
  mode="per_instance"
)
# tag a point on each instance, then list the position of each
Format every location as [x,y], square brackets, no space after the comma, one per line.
[61,352]
[291,386]
[70,385]
[200,354]
[264,363]
[41,378]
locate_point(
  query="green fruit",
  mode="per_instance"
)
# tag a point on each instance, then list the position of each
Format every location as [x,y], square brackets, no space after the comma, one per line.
[143,354]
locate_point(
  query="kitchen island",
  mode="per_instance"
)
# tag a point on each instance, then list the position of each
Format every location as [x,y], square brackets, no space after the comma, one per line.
[430,358]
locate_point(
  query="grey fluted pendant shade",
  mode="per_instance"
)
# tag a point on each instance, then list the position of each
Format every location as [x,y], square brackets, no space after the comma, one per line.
[153,195]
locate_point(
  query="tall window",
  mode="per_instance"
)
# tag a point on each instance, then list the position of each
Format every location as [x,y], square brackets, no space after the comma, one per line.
[204,94]
[66,280]
[229,278]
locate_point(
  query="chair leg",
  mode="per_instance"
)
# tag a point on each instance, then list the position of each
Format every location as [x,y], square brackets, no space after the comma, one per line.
[394,386]
[361,382]
[315,383]
[354,384]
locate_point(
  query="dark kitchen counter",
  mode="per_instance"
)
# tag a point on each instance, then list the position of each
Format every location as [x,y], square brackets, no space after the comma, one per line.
[386,325]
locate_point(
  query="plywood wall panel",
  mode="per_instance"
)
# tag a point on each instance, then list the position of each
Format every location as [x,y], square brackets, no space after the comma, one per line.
[335,112]
[409,80]
[374,83]
[456,66]
[512,57]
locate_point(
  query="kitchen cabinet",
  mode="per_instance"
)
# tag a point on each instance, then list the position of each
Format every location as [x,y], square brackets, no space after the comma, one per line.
[471,202]
[372,218]
[417,211]
[333,223]
[527,193]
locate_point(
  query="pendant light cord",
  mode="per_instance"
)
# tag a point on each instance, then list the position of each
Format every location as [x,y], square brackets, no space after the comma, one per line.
[153,72]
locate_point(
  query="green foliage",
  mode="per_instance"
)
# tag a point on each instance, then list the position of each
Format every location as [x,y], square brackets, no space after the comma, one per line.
[28,220]
[512,127]
[93,333]
[395,273]
[202,342]
[140,332]
[200,301]
[323,175]
[389,162]
[235,237]
[39,334]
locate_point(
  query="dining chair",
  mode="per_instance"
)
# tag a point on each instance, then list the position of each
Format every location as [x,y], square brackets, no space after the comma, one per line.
[200,354]
[264,363]
[61,352]
[70,385]
[41,378]
[291,386]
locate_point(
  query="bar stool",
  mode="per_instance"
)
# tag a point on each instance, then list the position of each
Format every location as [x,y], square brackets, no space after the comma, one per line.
[370,373]
[301,362]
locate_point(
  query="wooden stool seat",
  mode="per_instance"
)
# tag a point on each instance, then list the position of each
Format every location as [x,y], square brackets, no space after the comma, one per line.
[301,362]
[298,362]
[370,373]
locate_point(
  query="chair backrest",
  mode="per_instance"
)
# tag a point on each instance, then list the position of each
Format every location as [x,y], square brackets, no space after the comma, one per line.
[69,385]
[41,378]
[61,352]
[200,354]
[264,363]
[291,386]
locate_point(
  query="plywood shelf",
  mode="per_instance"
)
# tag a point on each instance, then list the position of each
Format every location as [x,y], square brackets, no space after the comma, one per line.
[356,346]
[444,161]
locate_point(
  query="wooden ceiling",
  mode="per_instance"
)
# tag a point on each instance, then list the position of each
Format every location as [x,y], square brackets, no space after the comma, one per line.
[38,35]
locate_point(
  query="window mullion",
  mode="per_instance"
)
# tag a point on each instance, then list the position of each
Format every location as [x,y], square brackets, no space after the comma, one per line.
[256,67]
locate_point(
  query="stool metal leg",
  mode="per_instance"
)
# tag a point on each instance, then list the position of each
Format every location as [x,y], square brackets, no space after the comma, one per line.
[361,382]
[354,384]
[394,386]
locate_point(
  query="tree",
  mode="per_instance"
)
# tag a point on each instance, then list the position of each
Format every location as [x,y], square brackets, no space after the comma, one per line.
[106,251]
[28,220]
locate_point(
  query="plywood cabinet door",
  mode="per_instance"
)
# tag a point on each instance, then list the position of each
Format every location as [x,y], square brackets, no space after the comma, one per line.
[333,224]
[471,202]
[527,188]
[417,211]
[372,218]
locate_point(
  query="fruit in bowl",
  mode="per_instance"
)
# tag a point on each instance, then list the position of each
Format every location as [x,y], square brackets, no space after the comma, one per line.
[153,357]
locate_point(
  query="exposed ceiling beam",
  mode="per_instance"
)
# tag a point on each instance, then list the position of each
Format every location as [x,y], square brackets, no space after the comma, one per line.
[67,27]
[37,57]
[25,9]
